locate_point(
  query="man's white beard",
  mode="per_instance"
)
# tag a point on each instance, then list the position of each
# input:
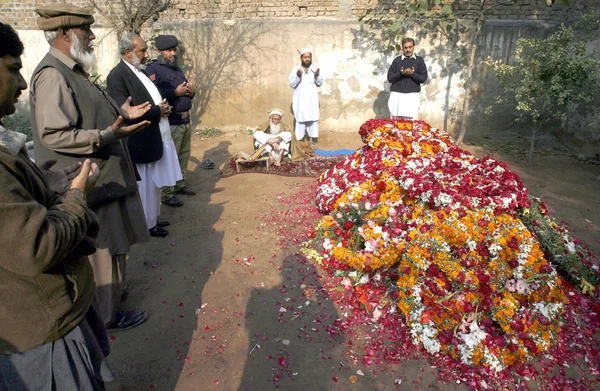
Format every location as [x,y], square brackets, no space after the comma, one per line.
[274,129]
[135,61]
[86,59]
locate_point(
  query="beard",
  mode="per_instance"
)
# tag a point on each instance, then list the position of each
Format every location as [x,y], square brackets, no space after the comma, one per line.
[274,128]
[167,62]
[82,55]
[307,64]
[135,61]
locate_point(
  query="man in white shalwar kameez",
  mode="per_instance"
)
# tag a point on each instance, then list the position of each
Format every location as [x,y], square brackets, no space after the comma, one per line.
[277,139]
[165,171]
[305,79]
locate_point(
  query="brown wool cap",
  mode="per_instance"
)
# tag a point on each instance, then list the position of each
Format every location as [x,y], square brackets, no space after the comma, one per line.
[55,16]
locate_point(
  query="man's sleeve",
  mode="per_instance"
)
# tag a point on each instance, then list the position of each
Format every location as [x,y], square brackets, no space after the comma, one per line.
[394,74]
[166,91]
[319,81]
[420,74]
[56,117]
[35,237]
[116,88]
[294,79]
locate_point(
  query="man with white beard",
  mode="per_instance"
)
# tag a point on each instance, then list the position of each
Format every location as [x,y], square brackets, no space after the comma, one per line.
[277,139]
[73,119]
[152,150]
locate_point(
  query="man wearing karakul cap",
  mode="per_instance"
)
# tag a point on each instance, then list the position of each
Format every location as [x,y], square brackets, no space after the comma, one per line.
[175,88]
[304,79]
[73,118]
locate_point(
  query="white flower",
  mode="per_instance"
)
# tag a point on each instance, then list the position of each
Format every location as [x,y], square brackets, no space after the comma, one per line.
[327,244]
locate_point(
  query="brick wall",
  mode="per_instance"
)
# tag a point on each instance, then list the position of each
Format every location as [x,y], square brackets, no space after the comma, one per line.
[194,9]
[520,10]
[20,14]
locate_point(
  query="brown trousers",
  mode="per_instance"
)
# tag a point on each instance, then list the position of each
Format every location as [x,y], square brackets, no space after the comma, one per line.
[109,275]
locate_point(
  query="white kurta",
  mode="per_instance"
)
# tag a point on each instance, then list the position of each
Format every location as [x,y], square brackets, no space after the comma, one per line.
[164,172]
[306,96]
[263,137]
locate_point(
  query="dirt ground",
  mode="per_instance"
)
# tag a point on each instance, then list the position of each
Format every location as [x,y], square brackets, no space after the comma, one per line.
[215,287]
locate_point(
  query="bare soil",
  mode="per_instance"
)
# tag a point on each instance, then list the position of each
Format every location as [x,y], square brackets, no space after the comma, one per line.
[214,288]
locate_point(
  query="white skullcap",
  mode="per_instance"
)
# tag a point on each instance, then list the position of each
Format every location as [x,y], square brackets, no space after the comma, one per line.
[306,50]
[275,111]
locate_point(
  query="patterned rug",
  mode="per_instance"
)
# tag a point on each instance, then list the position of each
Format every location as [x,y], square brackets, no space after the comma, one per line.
[309,168]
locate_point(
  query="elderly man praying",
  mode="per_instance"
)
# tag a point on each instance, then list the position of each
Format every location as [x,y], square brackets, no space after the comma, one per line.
[277,140]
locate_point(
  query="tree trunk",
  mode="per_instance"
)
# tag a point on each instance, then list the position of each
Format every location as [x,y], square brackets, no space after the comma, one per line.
[472,55]
[536,126]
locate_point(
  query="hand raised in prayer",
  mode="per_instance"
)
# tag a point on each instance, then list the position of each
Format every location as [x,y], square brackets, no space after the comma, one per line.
[59,180]
[87,177]
[317,73]
[181,89]
[299,73]
[123,131]
[165,108]
[134,112]
[190,89]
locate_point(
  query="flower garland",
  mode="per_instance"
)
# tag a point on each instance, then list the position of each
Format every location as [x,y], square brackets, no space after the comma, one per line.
[473,282]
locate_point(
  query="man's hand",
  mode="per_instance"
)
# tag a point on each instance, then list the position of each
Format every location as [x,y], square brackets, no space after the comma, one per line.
[123,131]
[135,112]
[59,180]
[87,177]
[190,89]
[181,89]
[165,108]
[299,73]
[317,73]
[407,71]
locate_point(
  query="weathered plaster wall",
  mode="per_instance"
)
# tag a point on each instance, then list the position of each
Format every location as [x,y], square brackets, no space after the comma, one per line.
[241,68]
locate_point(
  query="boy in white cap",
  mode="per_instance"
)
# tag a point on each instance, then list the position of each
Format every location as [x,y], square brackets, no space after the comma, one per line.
[304,79]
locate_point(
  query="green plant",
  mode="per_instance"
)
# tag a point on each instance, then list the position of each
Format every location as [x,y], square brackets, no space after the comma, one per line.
[210,132]
[549,78]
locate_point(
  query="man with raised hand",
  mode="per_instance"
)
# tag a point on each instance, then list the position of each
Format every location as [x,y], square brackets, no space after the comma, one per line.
[179,92]
[72,119]
[50,334]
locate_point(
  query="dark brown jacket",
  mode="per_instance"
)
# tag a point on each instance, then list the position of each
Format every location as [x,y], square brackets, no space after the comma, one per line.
[46,280]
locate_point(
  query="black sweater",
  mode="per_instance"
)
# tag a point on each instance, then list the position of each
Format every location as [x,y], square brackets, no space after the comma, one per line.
[403,83]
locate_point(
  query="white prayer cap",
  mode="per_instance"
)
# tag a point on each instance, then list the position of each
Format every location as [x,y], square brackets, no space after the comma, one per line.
[306,50]
[275,111]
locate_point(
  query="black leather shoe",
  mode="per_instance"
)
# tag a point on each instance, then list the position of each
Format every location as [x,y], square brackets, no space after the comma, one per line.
[128,320]
[185,191]
[158,232]
[173,202]
[162,224]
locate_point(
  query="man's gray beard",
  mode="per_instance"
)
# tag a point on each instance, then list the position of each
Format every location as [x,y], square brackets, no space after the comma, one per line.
[86,59]
[135,61]
[274,129]
[167,62]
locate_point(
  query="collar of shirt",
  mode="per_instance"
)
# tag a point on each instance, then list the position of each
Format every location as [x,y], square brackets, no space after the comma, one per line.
[68,61]
[413,56]
[134,69]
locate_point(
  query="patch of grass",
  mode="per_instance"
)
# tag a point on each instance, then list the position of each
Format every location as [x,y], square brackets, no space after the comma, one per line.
[210,132]
[246,130]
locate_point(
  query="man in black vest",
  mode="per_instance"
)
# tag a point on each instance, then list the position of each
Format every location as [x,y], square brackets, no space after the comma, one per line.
[73,119]
[406,74]
[153,161]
